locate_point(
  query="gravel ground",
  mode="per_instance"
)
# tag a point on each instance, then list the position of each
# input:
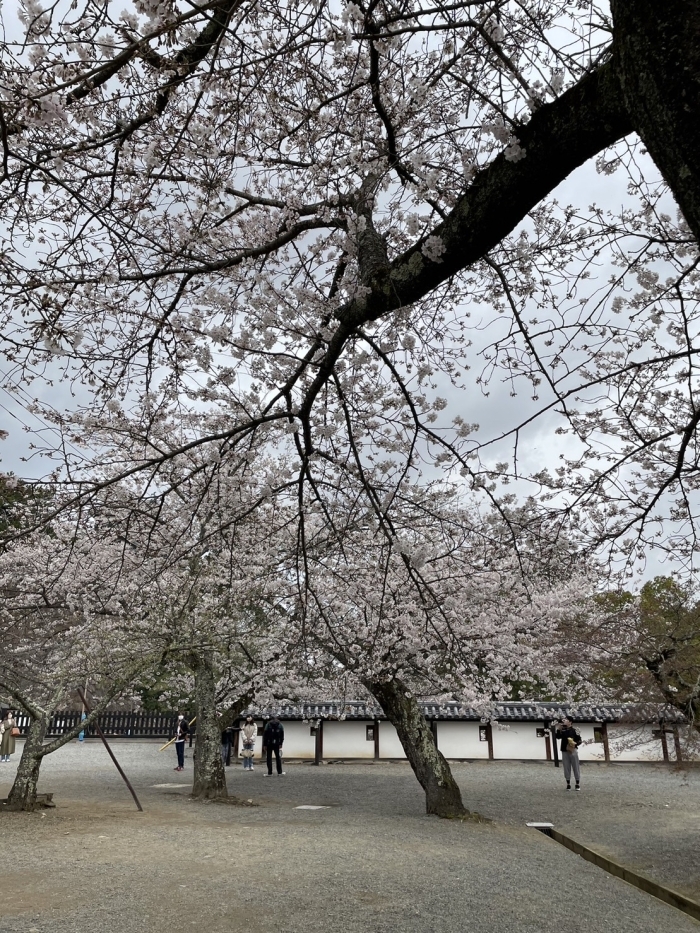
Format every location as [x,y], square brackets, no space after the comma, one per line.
[372,862]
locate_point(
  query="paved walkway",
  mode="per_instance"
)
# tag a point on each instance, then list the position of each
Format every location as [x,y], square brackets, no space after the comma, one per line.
[372,862]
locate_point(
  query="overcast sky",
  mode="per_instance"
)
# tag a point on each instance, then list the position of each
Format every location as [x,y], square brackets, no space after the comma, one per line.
[540,447]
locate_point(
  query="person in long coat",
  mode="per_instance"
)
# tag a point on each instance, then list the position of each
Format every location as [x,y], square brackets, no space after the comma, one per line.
[248,735]
[7,739]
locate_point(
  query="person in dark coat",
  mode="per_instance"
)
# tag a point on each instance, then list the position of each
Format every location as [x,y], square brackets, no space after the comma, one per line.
[226,741]
[272,741]
[570,741]
[182,730]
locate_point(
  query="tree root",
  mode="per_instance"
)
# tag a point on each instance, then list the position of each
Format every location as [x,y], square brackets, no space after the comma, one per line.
[41,802]
[231,800]
[469,816]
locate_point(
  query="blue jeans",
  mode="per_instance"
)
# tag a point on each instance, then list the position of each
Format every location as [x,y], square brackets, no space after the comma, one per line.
[248,762]
[180,749]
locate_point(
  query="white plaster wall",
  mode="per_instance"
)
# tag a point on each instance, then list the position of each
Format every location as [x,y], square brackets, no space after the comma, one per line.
[636,743]
[347,739]
[389,744]
[298,741]
[520,740]
[592,752]
[461,740]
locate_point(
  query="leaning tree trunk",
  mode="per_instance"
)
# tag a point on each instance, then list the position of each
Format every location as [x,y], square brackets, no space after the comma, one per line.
[657,56]
[23,793]
[209,774]
[442,795]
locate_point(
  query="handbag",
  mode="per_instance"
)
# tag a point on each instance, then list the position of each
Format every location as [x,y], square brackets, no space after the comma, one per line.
[15,732]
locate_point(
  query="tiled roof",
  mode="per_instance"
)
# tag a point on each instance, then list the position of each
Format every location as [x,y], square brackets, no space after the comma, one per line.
[502,712]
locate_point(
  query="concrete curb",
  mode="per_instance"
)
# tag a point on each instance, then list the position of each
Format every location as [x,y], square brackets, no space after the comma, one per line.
[667,895]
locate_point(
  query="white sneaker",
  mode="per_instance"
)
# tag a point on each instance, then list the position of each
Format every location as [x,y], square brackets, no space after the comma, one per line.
[282,772]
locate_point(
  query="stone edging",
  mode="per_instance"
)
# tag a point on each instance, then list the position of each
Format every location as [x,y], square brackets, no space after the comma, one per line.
[668,895]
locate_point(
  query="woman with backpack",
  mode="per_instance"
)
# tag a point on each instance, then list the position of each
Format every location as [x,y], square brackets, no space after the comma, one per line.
[273,739]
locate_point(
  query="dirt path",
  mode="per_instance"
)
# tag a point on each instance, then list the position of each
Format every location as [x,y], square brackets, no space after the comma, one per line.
[371,862]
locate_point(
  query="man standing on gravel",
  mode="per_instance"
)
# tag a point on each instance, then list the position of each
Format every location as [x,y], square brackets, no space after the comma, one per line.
[570,741]
[181,732]
[272,740]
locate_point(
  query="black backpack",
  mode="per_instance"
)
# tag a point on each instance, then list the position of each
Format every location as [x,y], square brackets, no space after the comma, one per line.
[274,733]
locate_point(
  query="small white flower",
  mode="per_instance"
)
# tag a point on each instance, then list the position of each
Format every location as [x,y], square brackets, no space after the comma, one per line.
[556,82]
[494,30]
[514,151]
[433,248]
[413,224]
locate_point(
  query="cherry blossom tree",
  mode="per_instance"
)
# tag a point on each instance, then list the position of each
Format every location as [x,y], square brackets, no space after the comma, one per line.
[436,604]
[72,612]
[266,240]
[288,231]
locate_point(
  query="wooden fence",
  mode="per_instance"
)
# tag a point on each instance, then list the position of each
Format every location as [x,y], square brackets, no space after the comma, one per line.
[115,723]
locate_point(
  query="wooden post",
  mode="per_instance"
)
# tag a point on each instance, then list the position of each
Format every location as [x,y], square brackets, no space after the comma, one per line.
[111,753]
[555,747]
[547,744]
[606,742]
[318,749]
[677,744]
[376,740]
[664,742]
[489,739]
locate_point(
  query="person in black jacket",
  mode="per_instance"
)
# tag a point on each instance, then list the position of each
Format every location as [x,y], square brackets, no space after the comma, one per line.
[182,730]
[273,740]
[570,741]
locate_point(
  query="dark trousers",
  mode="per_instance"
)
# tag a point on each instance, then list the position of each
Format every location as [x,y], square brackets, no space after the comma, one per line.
[180,749]
[278,758]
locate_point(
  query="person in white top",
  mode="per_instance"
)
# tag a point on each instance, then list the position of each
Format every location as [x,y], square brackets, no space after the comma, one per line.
[249,733]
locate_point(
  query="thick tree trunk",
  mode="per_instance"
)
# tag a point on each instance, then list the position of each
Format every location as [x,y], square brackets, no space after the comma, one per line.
[442,795]
[23,793]
[209,774]
[657,50]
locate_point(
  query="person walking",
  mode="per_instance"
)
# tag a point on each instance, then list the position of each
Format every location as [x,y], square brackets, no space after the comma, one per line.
[249,733]
[182,730]
[272,741]
[8,732]
[570,741]
[226,739]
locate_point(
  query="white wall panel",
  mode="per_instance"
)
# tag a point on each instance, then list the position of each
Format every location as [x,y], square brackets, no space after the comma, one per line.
[636,743]
[593,751]
[461,740]
[389,743]
[347,739]
[519,740]
[298,741]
